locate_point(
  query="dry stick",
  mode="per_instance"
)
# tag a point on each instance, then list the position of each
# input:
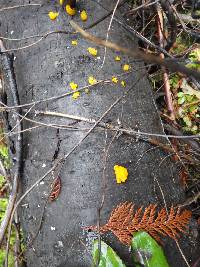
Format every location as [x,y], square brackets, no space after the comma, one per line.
[19,122]
[194,145]
[57,97]
[155,178]
[22,118]
[136,53]
[182,254]
[105,16]
[180,250]
[107,126]
[31,242]
[190,201]
[168,95]
[17,247]
[18,6]
[56,126]
[104,186]
[108,31]
[61,161]
[111,127]
[138,35]
[9,76]
[114,128]
[149,3]
[195,34]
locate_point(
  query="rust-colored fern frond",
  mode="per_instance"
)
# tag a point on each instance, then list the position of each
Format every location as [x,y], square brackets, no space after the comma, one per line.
[123,222]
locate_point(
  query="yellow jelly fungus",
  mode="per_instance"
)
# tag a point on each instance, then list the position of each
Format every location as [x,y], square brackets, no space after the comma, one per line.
[53,15]
[61,2]
[114,79]
[92,80]
[70,11]
[92,51]
[87,91]
[123,83]
[84,15]
[121,174]
[73,85]
[74,42]
[117,58]
[76,95]
[126,67]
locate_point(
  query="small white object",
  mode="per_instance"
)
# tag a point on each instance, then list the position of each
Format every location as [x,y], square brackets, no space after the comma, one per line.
[60,244]
[11,32]
[43,165]
[53,228]
[25,205]
[41,183]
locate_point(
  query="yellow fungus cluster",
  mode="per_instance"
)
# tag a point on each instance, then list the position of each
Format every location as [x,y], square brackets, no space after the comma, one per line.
[53,15]
[61,2]
[117,58]
[76,95]
[73,85]
[74,42]
[123,83]
[92,51]
[114,79]
[70,10]
[126,67]
[121,174]
[91,80]
[83,15]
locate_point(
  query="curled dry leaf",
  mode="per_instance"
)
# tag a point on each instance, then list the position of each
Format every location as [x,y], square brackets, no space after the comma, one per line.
[56,188]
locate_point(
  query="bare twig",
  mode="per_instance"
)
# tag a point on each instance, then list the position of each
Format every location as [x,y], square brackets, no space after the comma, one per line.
[18,6]
[104,187]
[168,63]
[10,81]
[190,200]
[168,95]
[108,31]
[145,5]
[114,128]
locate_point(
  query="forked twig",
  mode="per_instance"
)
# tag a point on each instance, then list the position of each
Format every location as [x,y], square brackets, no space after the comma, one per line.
[136,53]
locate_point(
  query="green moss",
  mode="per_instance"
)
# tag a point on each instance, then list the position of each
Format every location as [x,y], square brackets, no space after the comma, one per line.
[3,205]
[4,154]
[2,258]
[2,180]
[194,56]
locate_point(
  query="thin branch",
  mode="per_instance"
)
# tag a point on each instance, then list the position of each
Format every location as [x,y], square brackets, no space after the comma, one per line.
[168,95]
[9,77]
[114,128]
[145,5]
[18,6]
[108,31]
[168,63]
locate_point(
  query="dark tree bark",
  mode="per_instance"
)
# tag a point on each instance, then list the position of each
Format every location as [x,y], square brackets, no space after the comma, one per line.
[45,70]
